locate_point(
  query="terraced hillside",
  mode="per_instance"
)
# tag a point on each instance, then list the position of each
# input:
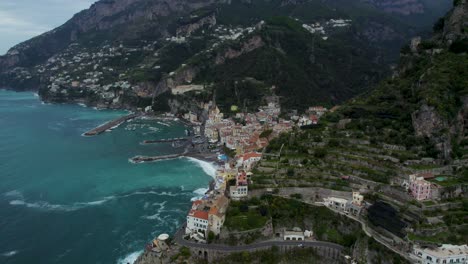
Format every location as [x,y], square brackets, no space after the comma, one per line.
[412,123]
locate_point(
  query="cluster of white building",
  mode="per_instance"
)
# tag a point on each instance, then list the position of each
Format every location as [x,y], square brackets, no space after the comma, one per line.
[311,116]
[232,180]
[77,69]
[445,254]
[322,28]
[349,206]
[208,213]
[245,138]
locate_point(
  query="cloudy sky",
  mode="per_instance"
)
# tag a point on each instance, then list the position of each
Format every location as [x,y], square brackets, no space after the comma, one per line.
[22,19]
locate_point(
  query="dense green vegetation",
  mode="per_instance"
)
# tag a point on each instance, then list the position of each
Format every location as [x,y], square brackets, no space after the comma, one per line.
[246,215]
[304,68]
[291,213]
[274,255]
[288,213]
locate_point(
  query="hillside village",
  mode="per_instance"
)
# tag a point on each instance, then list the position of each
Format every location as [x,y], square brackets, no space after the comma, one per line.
[246,138]
[125,74]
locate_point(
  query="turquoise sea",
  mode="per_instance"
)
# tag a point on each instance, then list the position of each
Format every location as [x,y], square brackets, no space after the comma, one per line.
[65,198]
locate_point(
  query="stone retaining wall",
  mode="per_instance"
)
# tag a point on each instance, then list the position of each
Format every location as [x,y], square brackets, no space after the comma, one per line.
[329,255]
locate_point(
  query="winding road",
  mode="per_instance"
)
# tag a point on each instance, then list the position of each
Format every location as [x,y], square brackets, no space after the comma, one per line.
[259,245]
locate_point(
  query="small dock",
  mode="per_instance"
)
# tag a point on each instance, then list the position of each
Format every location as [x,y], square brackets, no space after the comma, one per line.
[169,140]
[142,159]
[109,125]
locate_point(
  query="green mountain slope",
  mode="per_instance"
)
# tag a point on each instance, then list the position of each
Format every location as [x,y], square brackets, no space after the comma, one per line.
[127,53]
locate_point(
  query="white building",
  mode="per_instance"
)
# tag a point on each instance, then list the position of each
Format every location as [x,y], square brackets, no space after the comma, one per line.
[197,221]
[445,254]
[358,198]
[353,206]
[293,235]
[296,234]
[248,160]
[238,192]
[336,203]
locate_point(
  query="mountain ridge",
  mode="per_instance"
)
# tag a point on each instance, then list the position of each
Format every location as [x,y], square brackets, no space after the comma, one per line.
[155,38]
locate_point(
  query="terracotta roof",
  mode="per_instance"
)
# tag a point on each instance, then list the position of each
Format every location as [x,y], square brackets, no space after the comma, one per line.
[199,214]
[249,155]
[214,210]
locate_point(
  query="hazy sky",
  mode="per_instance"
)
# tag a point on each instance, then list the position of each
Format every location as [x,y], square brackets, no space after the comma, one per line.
[22,19]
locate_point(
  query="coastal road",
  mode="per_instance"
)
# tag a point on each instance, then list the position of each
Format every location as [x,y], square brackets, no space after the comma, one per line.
[259,245]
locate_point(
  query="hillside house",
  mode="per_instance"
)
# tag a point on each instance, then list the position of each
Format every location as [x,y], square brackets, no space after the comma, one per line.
[445,254]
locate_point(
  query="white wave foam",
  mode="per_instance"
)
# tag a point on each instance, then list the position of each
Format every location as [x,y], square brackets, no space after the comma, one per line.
[200,192]
[164,124]
[208,168]
[130,258]
[42,205]
[157,215]
[10,253]
[150,192]
[14,193]
[99,202]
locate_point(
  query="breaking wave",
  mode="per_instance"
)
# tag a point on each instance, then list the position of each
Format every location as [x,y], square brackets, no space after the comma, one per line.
[130,258]
[199,193]
[10,253]
[43,205]
[207,167]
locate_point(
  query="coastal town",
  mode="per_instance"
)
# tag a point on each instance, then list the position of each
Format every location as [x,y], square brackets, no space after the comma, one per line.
[240,142]
[220,131]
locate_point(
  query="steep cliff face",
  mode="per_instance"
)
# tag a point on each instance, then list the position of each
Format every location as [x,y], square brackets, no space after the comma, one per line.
[426,100]
[123,17]
[249,45]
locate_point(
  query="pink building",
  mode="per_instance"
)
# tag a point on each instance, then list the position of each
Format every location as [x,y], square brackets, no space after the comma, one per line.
[420,188]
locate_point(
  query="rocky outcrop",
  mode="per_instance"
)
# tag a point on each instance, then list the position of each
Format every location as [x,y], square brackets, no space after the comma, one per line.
[249,45]
[428,123]
[455,23]
[187,29]
[182,76]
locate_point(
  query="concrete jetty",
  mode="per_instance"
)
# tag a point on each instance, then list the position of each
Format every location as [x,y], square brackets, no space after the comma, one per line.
[109,125]
[141,159]
[164,140]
